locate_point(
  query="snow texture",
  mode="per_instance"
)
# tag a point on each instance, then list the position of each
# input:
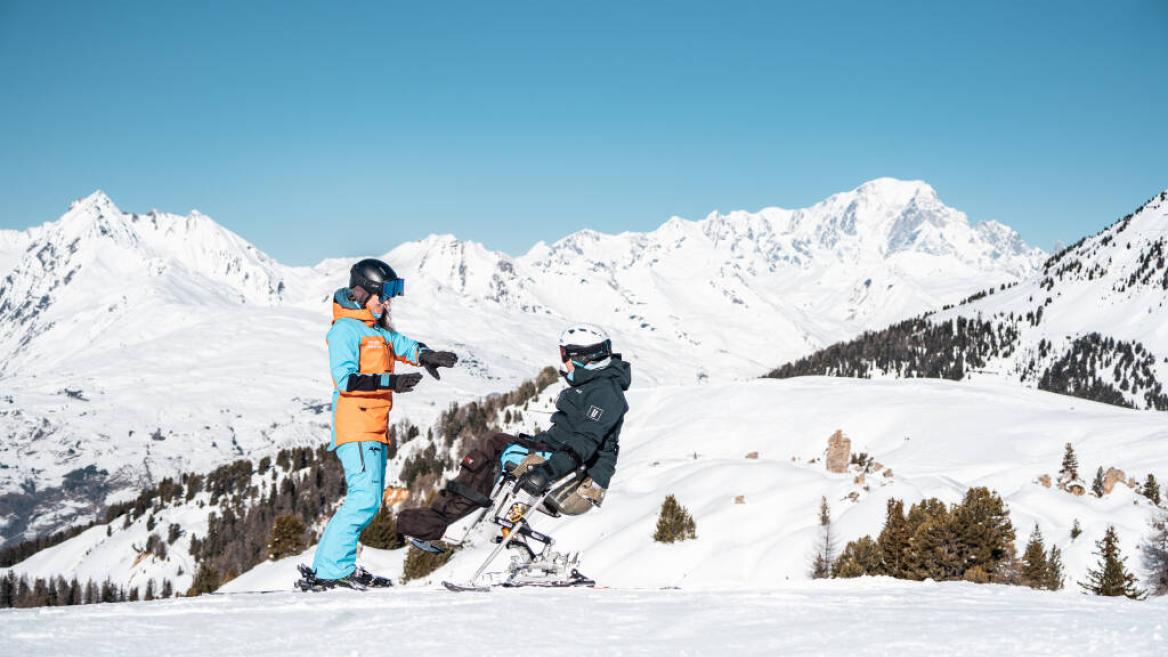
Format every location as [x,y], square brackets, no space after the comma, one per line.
[933,439]
[822,619]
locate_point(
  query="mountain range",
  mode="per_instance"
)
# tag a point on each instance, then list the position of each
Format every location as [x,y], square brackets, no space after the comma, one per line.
[1089,322]
[135,346]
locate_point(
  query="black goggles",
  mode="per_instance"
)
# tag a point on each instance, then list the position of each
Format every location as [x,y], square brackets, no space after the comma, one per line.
[585,354]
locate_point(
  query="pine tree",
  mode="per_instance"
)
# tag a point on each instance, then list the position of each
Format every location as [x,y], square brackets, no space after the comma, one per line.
[894,541]
[1070,469]
[825,550]
[149,589]
[933,545]
[1155,555]
[1152,489]
[1076,530]
[288,538]
[1035,569]
[1111,578]
[674,523]
[985,535]
[206,580]
[167,589]
[860,557]
[1054,570]
[1097,484]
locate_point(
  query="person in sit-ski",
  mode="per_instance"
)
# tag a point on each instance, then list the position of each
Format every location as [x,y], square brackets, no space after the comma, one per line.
[583,437]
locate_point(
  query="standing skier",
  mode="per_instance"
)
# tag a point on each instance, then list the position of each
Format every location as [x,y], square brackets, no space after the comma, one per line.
[584,436]
[363,348]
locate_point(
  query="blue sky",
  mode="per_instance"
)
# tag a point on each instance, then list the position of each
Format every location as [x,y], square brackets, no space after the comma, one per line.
[342,128]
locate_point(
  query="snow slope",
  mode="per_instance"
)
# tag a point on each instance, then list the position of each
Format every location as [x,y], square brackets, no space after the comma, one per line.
[147,344]
[831,618]
[938,438]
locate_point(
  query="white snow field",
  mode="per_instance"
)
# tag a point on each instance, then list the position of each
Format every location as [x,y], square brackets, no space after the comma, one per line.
[827,618]
[938,438]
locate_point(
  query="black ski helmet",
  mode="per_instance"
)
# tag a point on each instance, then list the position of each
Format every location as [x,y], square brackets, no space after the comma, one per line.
[372,275]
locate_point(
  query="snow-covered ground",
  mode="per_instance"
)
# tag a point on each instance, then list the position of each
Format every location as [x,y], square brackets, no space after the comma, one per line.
[756,517]
[872,616]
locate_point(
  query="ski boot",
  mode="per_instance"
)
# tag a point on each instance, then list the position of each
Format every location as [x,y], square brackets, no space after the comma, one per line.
[310,582]
[370,580]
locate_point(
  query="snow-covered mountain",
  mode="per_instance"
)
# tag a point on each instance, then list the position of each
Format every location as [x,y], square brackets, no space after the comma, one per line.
[1092,321]
[148,344]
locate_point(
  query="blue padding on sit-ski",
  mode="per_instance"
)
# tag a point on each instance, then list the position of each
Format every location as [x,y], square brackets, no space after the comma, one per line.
[514,454]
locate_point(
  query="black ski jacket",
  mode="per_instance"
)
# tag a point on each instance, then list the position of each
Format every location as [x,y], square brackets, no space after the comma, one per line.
[587,423]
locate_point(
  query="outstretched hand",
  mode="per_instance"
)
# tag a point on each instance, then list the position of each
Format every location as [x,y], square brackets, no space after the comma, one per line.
[432,360]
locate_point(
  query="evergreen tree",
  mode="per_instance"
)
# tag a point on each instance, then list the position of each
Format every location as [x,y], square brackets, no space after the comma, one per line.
[674,523]
[1054,570]
[1076,530]
[149,589]
[288,537]
[894,541]
[1155,555]
[1097,484]
[206,580]
[985,535]
[92,595]
[1152,489]
[825,550]
[860,557]
[1070,469]
[932,549]
[1111,578]
[1035,569]
[167,589]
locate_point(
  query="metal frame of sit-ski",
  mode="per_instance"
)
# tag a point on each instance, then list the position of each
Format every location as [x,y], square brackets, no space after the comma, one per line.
[504,495]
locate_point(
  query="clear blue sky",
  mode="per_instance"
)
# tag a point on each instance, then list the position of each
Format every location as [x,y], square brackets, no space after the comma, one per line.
[310,128]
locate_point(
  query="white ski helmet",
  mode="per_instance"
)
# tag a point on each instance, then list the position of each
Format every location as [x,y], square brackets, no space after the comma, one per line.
[587,345]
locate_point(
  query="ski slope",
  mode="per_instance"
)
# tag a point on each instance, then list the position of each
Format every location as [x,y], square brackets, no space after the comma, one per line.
[939,438]
[833,618]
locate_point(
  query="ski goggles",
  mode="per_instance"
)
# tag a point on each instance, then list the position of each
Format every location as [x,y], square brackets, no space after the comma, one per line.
[393,288]
[586,354]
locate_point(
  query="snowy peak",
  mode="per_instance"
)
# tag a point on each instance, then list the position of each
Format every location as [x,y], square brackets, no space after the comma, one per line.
[98,257]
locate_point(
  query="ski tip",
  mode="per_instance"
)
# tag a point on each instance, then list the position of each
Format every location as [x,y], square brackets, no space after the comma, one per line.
[460,588]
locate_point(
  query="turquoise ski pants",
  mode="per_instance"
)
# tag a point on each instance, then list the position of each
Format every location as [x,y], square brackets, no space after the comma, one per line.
[364,463]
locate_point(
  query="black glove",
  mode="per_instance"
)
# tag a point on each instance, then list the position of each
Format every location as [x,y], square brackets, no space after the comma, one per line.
[401,382]
[536,480]
[432,360]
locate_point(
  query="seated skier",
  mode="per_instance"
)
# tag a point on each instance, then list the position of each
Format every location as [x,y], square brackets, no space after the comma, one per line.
[583,438]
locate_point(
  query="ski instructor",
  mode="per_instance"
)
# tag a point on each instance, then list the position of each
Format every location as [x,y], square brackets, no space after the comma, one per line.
[363,348]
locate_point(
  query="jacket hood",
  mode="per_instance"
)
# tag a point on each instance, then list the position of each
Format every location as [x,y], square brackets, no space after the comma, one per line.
[344,298]
[618,370]
[344,306]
